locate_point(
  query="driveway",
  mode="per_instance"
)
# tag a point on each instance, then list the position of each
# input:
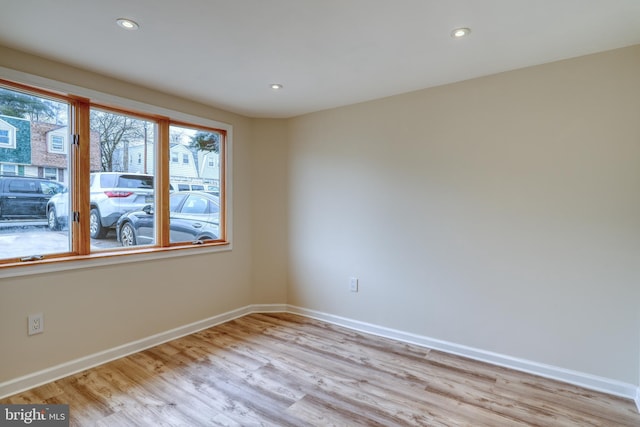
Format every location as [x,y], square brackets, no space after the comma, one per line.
[28,239]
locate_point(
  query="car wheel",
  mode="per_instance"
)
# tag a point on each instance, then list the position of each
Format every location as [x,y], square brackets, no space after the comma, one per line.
[206,237]
[52,221]
[96,230]
[127,235]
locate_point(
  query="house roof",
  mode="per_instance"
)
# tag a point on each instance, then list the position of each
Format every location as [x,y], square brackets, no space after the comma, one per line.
[326,53]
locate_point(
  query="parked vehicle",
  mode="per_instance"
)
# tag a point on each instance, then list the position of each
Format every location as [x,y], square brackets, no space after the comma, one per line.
[193,216]
[114,193]
[26,197]
[185,186]
[58,210]
[213,189]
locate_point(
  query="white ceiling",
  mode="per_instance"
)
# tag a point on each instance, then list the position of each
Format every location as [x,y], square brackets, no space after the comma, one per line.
[326,53]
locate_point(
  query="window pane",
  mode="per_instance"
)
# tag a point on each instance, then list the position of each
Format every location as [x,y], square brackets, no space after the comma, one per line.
[4,137]
[196,216]
[34,196]
[122,197]
[56,143]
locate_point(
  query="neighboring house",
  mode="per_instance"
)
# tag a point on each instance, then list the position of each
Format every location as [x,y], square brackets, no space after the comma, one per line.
[49,151]
[15,145]
[39,149]
[182,163]
[209,166]
[134,159]
[186,163]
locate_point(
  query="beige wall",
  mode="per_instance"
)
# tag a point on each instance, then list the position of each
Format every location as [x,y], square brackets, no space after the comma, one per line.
[269,200]
[501,213]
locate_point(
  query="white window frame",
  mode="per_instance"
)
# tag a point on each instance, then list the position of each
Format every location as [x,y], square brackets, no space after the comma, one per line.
[50,176]
[11,132]
[5,166]
[50,142]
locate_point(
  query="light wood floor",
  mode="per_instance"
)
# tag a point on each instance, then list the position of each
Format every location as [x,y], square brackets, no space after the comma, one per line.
[287,370]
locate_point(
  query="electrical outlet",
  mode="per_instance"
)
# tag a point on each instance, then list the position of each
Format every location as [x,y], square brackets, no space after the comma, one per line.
[36,324]
[353,284]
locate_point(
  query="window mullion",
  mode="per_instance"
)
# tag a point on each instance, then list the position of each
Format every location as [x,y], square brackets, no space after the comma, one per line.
[222,187]
[80,178]
[162,183]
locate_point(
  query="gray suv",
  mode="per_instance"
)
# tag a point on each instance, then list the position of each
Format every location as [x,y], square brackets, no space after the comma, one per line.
[114,193]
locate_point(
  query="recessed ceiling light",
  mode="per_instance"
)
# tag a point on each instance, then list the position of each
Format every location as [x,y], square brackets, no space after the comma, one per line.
[276,86]
[460,32]
[127,24]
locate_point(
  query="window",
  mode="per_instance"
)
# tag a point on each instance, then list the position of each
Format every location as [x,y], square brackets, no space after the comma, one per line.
[176,200]
[56,142]
[195,209]
[194,217]
[123,178]
[7,134]
[8,169]
[120,190]
[25,197]
[51,173]
[195,205]
[51,187]
[19,185]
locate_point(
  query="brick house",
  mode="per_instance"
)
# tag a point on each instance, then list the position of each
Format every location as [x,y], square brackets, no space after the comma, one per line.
[39,149]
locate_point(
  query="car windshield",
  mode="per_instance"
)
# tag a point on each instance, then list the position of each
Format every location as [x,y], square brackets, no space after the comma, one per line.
[175,200]
[51,188]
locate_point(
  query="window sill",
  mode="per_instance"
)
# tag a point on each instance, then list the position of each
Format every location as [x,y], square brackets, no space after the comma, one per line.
[101,259]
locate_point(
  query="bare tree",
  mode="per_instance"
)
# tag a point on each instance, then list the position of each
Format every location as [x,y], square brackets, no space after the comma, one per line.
[176,135]
[115,130]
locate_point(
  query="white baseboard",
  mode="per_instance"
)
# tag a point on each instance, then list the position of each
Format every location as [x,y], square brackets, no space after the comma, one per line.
[35,379]
[268,308]
[581,379]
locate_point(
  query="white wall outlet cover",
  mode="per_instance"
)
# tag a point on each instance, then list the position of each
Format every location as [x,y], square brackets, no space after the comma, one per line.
[36,324]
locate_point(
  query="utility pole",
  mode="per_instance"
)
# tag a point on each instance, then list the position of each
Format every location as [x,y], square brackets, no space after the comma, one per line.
[145,147]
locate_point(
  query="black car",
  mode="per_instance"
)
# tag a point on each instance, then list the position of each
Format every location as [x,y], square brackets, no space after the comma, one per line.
[24,197]
[194,216]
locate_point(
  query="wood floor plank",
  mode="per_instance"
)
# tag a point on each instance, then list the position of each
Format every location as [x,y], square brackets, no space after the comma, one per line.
[281,369]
